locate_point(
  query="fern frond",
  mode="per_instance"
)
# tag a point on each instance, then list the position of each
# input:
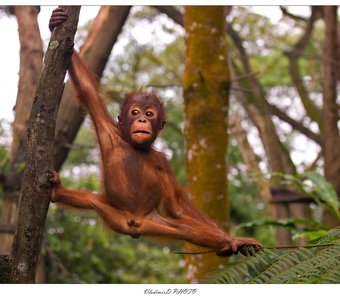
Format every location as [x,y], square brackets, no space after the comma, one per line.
[318,262]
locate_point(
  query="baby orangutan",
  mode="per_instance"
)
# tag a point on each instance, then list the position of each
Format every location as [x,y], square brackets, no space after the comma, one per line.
[141,195]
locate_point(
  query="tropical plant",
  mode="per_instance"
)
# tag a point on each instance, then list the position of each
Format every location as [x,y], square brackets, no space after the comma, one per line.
[316,262]
[319,189]
[324,197]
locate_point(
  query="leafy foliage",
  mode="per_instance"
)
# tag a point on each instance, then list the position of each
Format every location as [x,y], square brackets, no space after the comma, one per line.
[317,262]
[325,191]
[325,199]
[318,188]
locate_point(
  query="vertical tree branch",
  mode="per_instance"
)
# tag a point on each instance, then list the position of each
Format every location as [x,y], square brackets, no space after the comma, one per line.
[31,55]
[330,111]
[36,188]
[330,107]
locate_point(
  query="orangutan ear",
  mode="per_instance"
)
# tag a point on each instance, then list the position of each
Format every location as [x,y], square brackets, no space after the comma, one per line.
[162,126]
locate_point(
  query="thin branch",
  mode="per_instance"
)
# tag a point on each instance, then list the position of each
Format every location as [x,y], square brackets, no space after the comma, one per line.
[313,165]
[295,124]
[245,76]
[249,156]
[172,13]
[242,89]
[264,248]
[294,54]
[163,86]
[288,14]
[272,109]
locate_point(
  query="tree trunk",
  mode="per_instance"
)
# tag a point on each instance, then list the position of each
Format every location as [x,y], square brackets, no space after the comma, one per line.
[95,53]
[36,187]
[330,108]
[31,54]
[259,112]
[206,95]
[177,17]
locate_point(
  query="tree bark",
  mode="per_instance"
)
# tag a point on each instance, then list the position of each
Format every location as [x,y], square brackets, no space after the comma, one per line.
[330,108]
[172,12]
[95,53]
[31,54]
[206,95]
[36,188]
[4,268]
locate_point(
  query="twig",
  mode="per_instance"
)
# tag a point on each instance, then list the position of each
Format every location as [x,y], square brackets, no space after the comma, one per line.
[242,89]
[264,248]
[162,86]
[286,13]
[303,246]
[245,76]
[194,253]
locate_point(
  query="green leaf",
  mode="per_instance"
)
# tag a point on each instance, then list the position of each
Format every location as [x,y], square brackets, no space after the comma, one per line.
[325,191]
[316,262]
[309,234]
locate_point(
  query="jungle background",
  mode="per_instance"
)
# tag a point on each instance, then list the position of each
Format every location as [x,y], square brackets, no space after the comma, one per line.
[281,139]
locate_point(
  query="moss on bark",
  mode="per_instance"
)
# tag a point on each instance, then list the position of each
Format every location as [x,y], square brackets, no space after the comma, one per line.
[206,92]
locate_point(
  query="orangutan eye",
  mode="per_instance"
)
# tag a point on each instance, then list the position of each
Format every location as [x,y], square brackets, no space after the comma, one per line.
[149,114]
[134,112]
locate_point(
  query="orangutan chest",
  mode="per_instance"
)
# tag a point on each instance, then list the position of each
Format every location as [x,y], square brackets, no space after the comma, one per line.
[137,184]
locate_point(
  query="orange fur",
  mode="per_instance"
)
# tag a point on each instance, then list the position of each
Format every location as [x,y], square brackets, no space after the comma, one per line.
[141,196]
